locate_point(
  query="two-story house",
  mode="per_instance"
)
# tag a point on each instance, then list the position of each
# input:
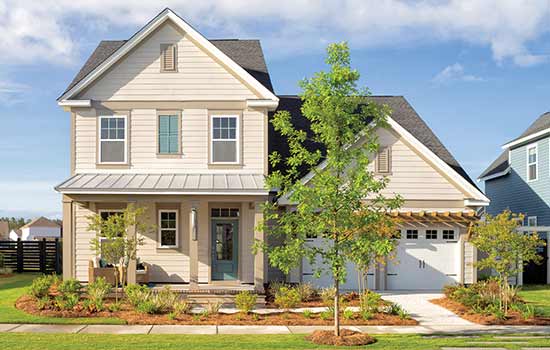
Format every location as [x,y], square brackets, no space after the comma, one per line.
[176,123]
[519,180]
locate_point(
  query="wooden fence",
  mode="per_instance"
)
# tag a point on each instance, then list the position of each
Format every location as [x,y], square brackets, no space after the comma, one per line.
[32,256]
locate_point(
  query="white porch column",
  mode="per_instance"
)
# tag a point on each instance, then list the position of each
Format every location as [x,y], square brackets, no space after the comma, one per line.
[259,259]
[68,239]
[132,265]
[194,224]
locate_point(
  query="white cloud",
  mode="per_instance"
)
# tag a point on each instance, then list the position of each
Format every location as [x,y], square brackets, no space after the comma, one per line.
[454,72]
[51,30]
[11,93]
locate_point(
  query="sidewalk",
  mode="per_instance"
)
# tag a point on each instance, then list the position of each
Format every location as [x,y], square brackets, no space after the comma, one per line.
[181,329]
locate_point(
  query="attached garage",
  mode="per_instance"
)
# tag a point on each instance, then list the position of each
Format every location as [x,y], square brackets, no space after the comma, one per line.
[426,259]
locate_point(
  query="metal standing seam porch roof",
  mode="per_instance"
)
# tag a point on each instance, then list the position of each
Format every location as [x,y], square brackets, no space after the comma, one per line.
[239,184]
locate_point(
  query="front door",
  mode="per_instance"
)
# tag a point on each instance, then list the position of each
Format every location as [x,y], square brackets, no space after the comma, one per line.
[225,233]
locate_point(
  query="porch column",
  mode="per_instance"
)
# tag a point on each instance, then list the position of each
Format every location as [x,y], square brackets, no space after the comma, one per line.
[68,239]
[259,259]
[132,266]
[194,246]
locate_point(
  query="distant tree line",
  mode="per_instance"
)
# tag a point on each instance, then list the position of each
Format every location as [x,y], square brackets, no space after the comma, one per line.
[15,223]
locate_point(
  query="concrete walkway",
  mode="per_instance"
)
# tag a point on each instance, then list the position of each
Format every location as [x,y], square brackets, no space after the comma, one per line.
[427,314]
[177,329]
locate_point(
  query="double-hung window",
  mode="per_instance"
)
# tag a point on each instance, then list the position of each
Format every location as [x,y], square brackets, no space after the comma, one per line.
[169,133]
[113,139]
[532,163]
[225,139]
[168,228]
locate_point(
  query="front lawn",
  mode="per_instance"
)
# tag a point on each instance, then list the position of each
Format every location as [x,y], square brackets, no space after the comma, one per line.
[14,341]
[538,296]
[11,288]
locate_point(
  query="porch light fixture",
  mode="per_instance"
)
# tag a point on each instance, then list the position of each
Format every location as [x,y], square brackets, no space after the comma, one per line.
[194,227]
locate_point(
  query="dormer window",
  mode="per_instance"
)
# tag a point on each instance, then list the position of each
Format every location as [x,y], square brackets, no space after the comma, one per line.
[168,56]
[383,161]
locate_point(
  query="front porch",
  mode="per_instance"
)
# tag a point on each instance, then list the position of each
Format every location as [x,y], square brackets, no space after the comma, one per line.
[200,246]
[203,294]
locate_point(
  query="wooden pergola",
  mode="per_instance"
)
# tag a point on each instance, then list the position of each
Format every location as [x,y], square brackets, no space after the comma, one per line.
[426,218]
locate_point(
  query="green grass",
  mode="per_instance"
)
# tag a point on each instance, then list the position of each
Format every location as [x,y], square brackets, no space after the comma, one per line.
[539,296]
[14,341]
[11,288]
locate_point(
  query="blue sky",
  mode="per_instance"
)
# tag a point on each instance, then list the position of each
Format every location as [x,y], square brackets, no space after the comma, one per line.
[476,71]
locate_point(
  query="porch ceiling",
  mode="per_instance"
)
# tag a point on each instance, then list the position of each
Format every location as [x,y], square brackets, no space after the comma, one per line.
[164,183]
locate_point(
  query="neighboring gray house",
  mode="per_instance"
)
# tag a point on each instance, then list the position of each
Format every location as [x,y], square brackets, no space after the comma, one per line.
[519,180]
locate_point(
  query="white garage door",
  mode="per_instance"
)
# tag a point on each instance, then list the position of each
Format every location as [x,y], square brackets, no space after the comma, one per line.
[325,280]
[426,259]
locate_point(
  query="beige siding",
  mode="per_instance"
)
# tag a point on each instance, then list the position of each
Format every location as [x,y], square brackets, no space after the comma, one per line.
[413,177]
[195,143]
[138,76]
[82,242]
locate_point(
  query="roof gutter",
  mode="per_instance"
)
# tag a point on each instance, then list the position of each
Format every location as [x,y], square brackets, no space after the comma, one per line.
[74,103]
[526,138]
[269,104]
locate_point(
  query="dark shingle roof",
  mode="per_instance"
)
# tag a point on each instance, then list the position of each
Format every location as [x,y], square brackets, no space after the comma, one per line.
[501,163]
[246,53]
[402,113]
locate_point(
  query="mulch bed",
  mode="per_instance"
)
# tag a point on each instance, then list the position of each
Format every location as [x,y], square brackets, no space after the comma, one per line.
[6,275]
[347,338]
[29,305]
[513,318]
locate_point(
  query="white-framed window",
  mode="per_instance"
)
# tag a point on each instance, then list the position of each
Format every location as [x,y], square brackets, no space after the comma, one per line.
[168,229]
[225,139]
[412,234]
[431,234]
[532,162]
[531,221]
[113,139]
[449,235]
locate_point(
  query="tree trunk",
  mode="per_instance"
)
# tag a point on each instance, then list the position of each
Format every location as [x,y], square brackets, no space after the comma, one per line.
[116,284]
[337,307]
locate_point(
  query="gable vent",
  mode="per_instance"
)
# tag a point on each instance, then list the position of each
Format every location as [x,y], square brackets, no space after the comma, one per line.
[383,160]
[168,57]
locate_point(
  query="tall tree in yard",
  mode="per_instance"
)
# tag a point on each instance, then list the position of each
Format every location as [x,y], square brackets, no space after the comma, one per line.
[342,201]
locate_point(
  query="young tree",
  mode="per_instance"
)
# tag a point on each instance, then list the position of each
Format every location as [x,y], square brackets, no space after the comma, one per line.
[113,242]
[507,249]
[342,202]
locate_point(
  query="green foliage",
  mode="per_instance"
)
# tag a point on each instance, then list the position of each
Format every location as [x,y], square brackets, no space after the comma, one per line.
[245,301]
[287,298]
[116,306]
[369,301]
[506,250]
[255,317]
[135,293]
[1,261]
[69,286]
[306,291]
[343,121]
[327,296]
[43,303]
[182,307]
[97,291]
[147,306]
[213,308]
[326,315]
[172,315]
[349,314]
[40,286]
[307,313]
[165,299]
[366,315]
[67,301]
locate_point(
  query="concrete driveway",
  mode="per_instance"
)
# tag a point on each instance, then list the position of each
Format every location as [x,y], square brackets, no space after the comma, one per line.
[418,305]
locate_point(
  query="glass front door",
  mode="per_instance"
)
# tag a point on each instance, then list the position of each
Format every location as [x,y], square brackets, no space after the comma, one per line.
[224,249]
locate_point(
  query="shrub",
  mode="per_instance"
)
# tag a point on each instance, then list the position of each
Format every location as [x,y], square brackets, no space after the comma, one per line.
[245,301]
[307,313]
[274,287]
[326,315]
[165,299]
[40,286]
[287,298]
[369,301]
[213,308]
[116,306]
[306,291]
[366,315]
[397,310]
[147,306]
[327,295]
[69,286]
[136,293]
[182,307]
[43,303]
[348,314]
[449,289]
[97,292]
[255,317]
[66,302]
[172,315]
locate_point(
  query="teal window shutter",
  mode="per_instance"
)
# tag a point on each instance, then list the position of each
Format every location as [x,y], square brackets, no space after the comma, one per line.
[168,134]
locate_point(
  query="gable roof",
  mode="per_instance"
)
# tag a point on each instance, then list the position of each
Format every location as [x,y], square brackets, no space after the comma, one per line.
[41,222]
[500,166]
[109,52]
[402,114]
[246,53]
